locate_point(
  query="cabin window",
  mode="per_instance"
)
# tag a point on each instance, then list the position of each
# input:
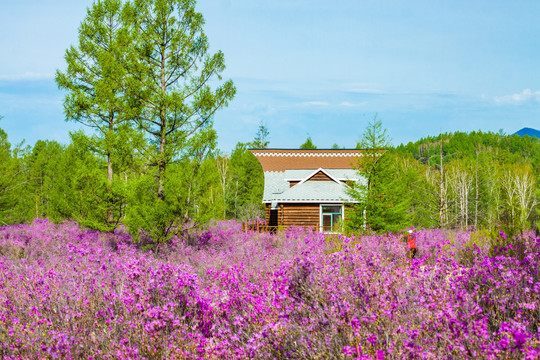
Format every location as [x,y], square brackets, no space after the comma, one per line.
[331,216]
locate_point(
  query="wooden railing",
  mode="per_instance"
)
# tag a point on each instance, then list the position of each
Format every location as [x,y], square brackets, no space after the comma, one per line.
[258,226]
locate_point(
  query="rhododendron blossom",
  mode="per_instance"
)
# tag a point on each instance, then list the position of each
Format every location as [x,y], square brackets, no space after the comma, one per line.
[71,293]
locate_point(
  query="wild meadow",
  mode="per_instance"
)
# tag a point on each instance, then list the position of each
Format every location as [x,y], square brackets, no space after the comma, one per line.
[71,293]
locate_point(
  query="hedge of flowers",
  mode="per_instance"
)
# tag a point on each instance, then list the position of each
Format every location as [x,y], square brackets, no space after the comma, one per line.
[71,293]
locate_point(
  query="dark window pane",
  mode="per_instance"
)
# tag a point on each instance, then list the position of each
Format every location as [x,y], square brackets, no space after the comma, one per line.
[327,222]
[331,209]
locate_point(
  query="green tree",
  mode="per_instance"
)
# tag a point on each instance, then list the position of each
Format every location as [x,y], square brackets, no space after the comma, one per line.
[486,157]
[79,192]
[375,136]
[170,72]
[261,138]
[390,195]
[308,145]
[246,185]
[12,178]
[186,185]
[43,165]
[374,141]
[93,80]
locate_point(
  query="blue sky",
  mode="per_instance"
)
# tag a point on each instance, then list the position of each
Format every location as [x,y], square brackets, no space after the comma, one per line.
[316,67]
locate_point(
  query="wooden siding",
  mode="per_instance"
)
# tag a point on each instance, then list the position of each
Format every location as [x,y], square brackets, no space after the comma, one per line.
[292,183]
[320,176]
[304,215]
[277,219]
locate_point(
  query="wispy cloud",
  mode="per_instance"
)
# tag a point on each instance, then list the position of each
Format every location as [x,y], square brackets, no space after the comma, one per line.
[314,103]
[365,90]
[28,76]
[349,104]
[519,98]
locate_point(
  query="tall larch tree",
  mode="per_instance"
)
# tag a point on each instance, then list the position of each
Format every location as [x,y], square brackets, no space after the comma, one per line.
[93,78]
[170,73]
[375,141]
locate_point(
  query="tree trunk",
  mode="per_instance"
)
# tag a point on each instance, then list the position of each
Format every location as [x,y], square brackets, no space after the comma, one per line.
[110,210]
[476,194]
[161,166]
[163,130]
[441,190]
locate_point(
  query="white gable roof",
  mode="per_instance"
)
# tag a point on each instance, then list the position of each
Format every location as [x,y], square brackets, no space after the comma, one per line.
[315,172]
[277,187]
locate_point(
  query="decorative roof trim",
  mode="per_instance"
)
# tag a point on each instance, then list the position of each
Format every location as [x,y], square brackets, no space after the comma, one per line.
[319,201]
[315,172]
[342,179]
[306,154]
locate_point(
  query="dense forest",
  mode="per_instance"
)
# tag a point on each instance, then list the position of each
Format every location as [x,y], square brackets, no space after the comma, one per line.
[55,181]
[454,180]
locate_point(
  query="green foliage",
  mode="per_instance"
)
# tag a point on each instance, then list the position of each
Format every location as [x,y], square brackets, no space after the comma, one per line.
[383,201]
[12,178]
[386,204]
[94,74]
[479,180]
[43,165]
[247,184]
[151,103]
[308,145]
[261,138]
[185,189]
[375,136]
[169,76]
[489,179]
[95,85]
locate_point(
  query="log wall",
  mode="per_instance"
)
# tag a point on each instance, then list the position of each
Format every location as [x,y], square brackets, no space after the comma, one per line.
[304,215]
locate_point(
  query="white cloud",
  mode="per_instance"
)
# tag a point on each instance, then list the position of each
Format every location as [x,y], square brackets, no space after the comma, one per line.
[520,98]
[365,90]
[348,104]
[314,103]
[28,76]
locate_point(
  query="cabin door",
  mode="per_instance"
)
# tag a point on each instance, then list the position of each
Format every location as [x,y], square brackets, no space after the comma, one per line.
[273,221]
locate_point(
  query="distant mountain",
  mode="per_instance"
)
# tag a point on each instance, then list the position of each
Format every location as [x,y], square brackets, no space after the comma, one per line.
[528,131]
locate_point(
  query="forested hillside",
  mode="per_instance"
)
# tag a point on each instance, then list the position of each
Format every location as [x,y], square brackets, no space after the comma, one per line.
[456,180]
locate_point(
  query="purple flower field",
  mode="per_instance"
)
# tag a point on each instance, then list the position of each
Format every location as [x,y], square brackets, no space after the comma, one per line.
[70,293]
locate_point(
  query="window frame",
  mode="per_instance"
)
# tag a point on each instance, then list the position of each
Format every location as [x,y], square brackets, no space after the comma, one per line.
[321,224]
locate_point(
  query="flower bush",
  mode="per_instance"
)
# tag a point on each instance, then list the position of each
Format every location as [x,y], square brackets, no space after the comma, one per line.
[70,293]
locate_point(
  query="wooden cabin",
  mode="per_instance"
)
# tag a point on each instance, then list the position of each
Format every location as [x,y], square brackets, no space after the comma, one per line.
[307,188]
